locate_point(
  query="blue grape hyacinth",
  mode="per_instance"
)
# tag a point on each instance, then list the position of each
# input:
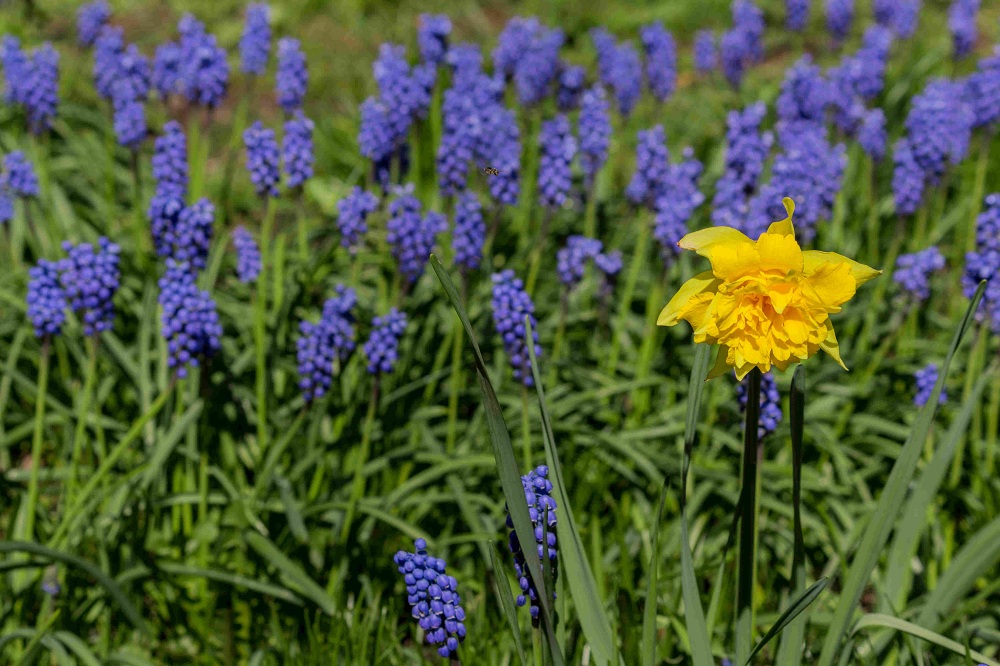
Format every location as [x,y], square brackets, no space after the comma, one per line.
[984,263]
[40,88]
[651,166]
[170,159]
[352,214]
[410,235]
[470,232]
[325,344]
[262,159]
[872,134]
[255,43]
[433,598]
[626,77]
[511,303]
[90,278]
[432,37]
[108,48]
[908,180]
[190,322]
[542,510]
[839,17]
[594,129]
[770,403]
[796,14]
[742,45]
[939,126]
[558,148]
[913,272]
[166,74]
[90,18]
[129,121]
[204,69]
[747,149]
[983,91]
[297,150]
[962,24]
[925,379]
[572,79]
[661,60]
[292,78]
[247,255]
[675,205]
[571,260]
[706,59]
[15,65]
[18,177]
[46,299]
[382,347]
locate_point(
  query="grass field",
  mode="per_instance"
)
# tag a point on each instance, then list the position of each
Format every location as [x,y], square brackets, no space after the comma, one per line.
[224,517]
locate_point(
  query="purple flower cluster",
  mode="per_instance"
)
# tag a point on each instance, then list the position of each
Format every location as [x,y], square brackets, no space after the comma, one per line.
[182,233]
[872,134]
[626,77]
[382,347]
[908,179]
[609,264]
[839,16]
[675,204]
[859,78]
[804,93]
[594,129]
[432,37]
[247,255]
[742,45]
[572,79]
[297,150]
[352,213]
[513,41]
[983,90]
[913,272]
[651,166]
[292,78]
[501,148]
[529,52]
[571,260]
[262,159]
[558,148]
[661,59]
[746,150]
[984,263]
[255,43]
[901,16]
[204,70]
[18,178]
[46,299]
[190,322]
[90,18]
[328,342]
[542,510]
[89,277]
[470,232]
[433,597]
[511,304]
[605,45]
[925,379]
[170,159]
[962,24]
[31,81]
[705,57]
[796,14]
[770,403]
[411,236]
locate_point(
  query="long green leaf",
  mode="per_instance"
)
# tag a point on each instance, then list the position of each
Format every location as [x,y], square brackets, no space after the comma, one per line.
[113,589]
[890,622]
[914,520]
[580,576]
[792,612]
[291,571]
[790,648]
[694,616]
[510,475]
[507,603]
[877,532]
[649,613]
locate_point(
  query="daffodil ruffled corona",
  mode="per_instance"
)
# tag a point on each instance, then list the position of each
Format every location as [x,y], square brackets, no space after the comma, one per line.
[765,302]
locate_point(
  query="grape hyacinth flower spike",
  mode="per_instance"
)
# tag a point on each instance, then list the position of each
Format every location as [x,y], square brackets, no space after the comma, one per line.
[913,272]
[558,148]
[432,37]
[382,347]
[247,255]
[255,43]
[90,278]
[326,345]
[190,323]
[352,214]
[90,18]
[925,379]
[542,511]
[470,232]
[661,60]
[770,403]
[46,299]
[262,159]
[432,596]
[594,128]
[297,150]
[18,178]
[511,304]
[293,76]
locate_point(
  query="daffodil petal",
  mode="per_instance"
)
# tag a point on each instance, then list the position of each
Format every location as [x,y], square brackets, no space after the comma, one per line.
[703,240]
[734,260]
[813,259]
[784,227]
[700,283]
[779,252]
[831,346]
[830,285]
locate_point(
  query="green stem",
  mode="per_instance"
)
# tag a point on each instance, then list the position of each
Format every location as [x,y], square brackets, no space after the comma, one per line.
[638,261]
[536,255]
[36,440]
[590,216]
[977,194]
[457,380]
[358,488]
[75,511]
[303,231]
[557,344]
[873,216]
[536,646]
[752,452]
[977,361]
[260,320]
[525,428]
[81,416]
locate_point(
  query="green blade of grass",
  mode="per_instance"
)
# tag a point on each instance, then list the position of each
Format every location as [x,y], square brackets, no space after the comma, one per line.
[507,603]
[877,532]
[580,576]
[649,613]
[890,622]
[291,571]
[793,611]
[792,639]
[510,475]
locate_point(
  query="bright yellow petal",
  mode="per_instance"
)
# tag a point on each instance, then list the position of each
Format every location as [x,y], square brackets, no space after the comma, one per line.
[830,286]
[780,253]
[701,283]
[784,227]
[734,260]
[721,364]
[813,259]
[831,347]
[703,240]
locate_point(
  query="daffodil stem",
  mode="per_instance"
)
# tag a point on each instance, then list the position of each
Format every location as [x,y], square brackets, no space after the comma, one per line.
[752,453]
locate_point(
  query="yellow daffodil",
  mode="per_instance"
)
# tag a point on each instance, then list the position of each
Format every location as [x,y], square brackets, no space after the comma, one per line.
[765,302]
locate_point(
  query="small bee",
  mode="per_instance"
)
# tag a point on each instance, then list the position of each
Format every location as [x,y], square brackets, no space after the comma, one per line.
[491,171]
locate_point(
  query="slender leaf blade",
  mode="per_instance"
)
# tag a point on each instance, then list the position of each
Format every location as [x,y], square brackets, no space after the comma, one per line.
[649,613]
[890,622]
[792,612]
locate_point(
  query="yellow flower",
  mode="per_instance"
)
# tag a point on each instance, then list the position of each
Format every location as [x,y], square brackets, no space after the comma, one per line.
[765,302]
